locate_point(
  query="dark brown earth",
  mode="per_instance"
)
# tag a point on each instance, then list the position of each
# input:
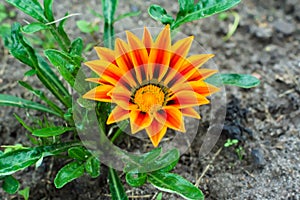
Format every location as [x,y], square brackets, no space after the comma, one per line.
[265,119]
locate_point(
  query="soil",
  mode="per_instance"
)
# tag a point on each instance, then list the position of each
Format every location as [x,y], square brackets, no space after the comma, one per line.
[265,119]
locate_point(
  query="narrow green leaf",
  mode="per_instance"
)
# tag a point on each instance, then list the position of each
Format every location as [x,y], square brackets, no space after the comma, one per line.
[31,72]
[79,153]
[136,179]
[68,173]
[64,63]
[92,167]
[108,9]
[8,100]
[171,158]
[62,33]
[48,10]
[30,7]
[239,80]
[23,123]
[174,183]
[26,54]
[129,14]
[20,159]
[116,188]
[204,9]
[160,14]
[41,95]
[4,29]
[34,27]
[24,193]
[10,184]
[51,131]
[87,27]
[76,47]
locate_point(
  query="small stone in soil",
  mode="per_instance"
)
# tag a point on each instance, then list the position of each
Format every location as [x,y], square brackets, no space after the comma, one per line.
[258,158]
[284,27]
[263,33]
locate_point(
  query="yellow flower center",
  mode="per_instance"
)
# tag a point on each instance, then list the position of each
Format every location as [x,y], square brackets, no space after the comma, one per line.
[149,98]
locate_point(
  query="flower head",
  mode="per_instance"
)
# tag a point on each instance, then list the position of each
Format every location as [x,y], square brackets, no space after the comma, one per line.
[151,82]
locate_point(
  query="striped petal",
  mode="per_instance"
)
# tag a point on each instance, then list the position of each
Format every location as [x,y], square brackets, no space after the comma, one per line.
[139,56]
[156,131]
[147,39]
[106,70]
[117,114]
[170,117]
[190,112]
[139,120]
[105,54]
[184,99]
[99,93]
[121,97]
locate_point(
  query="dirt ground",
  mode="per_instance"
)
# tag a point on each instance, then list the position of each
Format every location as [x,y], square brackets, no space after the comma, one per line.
[265,119]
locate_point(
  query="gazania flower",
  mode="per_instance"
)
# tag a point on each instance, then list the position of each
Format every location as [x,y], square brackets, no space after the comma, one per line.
[151,82]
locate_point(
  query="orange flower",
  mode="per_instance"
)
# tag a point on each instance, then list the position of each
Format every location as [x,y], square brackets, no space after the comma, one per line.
[152,83]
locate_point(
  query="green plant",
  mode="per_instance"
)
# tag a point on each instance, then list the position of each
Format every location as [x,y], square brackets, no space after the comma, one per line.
[238,149]
[62,56]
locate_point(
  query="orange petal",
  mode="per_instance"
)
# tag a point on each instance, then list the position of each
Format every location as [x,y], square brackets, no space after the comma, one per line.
[139,120]
[99,93]
[98,80]
[203,88]
[106,70]
[156,132]
[121,97]
[159,57]
[124,60]
[139,55]
[147,39]
[184,99]
[117,114]
[105,54]
[182,47]
[198,60]
[190,112]
[170,117]
[201,74]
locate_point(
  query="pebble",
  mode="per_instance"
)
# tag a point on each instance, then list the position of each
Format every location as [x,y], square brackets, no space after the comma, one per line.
[258,157]
[263,32]
[284,27]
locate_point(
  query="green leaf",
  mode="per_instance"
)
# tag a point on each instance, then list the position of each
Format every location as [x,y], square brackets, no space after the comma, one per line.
[64,63]
[26,54]
[174,183]
[48,10]
[23,123]
[203,9]
[160,14]
[10,185]
[34,27]
[240,80]
[4,29]
[51,131]
[41,95]
[76,47]
[31,72]
[87,27]
[159,196]
[24,193]
[108,10]
[20,159]
[31,7]
[185,6]
[92,166]
[79,153]
[171,158]
[116,188]
[68,173]
[8,100]
[62,32]
[136,179]
[129,14]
